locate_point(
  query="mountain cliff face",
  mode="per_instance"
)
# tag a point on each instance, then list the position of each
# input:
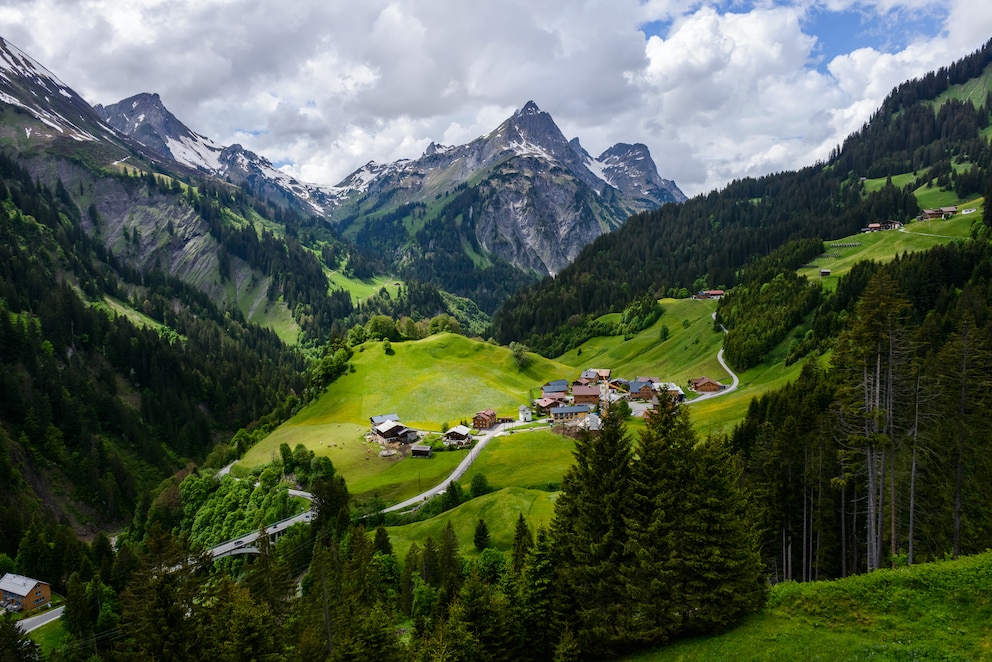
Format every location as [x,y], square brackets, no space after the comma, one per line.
[27,85]
[543,197]
[540,199]
[145,118]
[144,221]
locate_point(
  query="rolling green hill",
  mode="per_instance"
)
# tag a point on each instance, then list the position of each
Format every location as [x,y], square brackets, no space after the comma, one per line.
[938,611]
[499,509]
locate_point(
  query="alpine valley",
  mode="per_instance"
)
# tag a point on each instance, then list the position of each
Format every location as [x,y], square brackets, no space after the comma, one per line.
[211,373]
[458,217]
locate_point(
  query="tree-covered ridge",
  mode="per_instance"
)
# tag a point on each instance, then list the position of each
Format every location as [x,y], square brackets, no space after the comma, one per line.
[770,301]
[706,240]
[90,397]
[881,458]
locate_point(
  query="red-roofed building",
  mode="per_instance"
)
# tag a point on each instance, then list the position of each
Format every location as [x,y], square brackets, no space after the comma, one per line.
[484,419]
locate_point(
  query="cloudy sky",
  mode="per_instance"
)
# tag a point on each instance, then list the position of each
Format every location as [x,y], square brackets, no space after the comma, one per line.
[717,90]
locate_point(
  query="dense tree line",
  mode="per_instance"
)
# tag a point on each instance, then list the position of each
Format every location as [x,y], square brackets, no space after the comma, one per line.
[881,458]
[707,239]
[86,392]
[770,301]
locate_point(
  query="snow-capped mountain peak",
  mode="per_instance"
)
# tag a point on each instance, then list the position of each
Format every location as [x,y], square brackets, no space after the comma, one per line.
[28,85]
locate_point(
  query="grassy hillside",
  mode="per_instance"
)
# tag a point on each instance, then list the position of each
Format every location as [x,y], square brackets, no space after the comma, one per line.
[499,509]
[690,350]
[939,611]
[447,378]
[841,254]
[534,459]
[443,378]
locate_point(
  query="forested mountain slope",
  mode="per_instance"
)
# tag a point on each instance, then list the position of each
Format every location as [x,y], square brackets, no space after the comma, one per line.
[110,377]
[706,240]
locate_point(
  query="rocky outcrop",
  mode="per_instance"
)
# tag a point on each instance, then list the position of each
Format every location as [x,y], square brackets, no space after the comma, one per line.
[544,197]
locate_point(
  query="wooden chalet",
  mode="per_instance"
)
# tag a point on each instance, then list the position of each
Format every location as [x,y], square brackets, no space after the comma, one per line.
[586,395]
[641,390]
[460,435]
[484,420]
[382,418]
[24,593]
[544,404]
[421,450]
[705,385]
[394,432]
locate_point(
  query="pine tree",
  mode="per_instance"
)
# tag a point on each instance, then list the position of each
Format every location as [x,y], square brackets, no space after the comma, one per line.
[523,540]
[15,645]
[537,589]
[481,537]
[657,488]
[716,565]
[590,536]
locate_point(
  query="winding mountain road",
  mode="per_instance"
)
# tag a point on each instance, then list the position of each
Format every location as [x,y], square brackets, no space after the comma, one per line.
[735,379]
[459,470]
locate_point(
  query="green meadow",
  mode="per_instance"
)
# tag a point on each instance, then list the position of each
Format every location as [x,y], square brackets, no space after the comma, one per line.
[445,378]
[936,611]
[361,288]
[533,459]
[499,509]
[842,254]
[690,350]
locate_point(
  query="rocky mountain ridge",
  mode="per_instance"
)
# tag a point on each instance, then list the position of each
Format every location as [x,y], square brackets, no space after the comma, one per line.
[539,233]
[541,198]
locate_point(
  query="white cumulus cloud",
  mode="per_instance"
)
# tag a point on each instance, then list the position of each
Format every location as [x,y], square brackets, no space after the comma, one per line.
[716,90]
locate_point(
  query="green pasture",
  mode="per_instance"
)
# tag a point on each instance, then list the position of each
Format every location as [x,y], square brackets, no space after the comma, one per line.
[361,288]
[533,459]
[899,181]
[885,246]
[974,90]
[50,636]
[111,307]
[938,611]
[443,378]
[499,509]
[690,350]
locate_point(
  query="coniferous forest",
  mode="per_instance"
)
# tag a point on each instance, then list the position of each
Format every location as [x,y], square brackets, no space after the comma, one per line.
[122,392]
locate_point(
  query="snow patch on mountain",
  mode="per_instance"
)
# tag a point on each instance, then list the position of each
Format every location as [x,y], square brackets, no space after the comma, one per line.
[194,153]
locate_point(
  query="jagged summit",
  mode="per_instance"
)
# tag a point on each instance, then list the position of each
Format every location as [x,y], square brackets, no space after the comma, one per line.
[145,118]
[542,197]
[28,85]
[529,108]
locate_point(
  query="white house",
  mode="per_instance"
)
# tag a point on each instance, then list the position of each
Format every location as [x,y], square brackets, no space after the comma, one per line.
[525,415]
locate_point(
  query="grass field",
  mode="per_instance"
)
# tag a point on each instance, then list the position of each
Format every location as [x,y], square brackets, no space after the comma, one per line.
[443,378]
[690,350]
[499,509]
[361,289]
[884,246]
[49,636]
[530,459]
[938,611]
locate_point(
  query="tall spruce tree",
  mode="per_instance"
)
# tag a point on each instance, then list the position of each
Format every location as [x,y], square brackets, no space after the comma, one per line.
[657,484]
[715,564]
[590,537]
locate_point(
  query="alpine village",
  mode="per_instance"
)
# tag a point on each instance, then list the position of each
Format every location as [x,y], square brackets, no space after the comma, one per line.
[247,418]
